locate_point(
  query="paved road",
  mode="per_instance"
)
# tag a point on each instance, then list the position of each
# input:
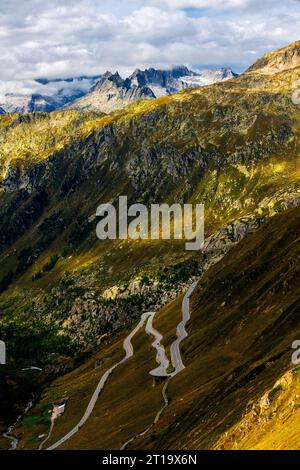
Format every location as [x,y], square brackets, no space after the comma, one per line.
[129,353]
[181,331]
[159,371]
[53,418]
[166,402]
[161,358]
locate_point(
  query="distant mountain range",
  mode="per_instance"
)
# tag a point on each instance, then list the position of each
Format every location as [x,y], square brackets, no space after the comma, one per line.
[42,94]
[105,93]
[112,92]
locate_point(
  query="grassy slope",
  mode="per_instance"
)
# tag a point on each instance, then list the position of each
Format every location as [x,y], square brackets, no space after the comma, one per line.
[26,140]
[272,422]
[127,405]
[244,320]
[229,145]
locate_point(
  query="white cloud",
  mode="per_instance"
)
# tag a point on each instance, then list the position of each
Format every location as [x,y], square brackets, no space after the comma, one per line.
[26,88]
[153,23]
[71,38]
[215,4]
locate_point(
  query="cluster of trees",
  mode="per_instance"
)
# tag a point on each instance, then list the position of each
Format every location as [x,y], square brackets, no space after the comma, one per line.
[46,268]
[180,272]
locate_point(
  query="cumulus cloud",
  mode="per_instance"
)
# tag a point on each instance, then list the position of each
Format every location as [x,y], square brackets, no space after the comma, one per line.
[62,38]
[215,4]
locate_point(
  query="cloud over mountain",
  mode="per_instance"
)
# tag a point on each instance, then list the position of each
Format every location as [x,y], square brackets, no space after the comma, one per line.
[69,38]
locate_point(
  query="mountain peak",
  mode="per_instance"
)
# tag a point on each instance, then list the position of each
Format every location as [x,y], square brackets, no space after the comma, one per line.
[114,78]
[112,92]
[160,77]
[286,58]
[181,71]
[42,94]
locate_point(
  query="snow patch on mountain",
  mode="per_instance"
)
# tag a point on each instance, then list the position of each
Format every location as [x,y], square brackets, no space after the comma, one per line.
[105,93]
[208,77]
[166,82]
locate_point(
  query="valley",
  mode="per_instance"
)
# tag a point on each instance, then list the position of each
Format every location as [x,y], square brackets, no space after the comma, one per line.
[77,313]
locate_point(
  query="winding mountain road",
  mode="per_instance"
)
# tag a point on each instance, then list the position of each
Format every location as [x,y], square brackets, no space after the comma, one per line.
[53,418]
[160,371]
[127,345]
[161,357]
[181,331]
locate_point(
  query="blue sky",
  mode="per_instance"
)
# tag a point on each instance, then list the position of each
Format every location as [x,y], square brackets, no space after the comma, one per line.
[61,38]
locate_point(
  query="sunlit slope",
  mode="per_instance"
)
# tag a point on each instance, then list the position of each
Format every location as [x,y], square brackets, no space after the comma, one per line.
[233,146]
[229,146]
[27,140]
[271,422]
[286,58]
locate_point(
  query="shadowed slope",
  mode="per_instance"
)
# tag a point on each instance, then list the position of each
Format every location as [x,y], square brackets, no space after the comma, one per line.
[245,316]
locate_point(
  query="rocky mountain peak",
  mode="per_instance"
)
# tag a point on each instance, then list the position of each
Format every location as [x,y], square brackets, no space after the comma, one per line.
[226,72]
[112,92]
[112,78]
[181,71]
[159,77]
[286,58]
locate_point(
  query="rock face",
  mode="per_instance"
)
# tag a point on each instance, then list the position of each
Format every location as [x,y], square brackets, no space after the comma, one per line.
[284,59]
[166,82]
[42,95]
[112,92]
[101,93]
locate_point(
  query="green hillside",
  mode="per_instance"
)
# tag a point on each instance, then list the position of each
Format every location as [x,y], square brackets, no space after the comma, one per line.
[239,388]
[65,296]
